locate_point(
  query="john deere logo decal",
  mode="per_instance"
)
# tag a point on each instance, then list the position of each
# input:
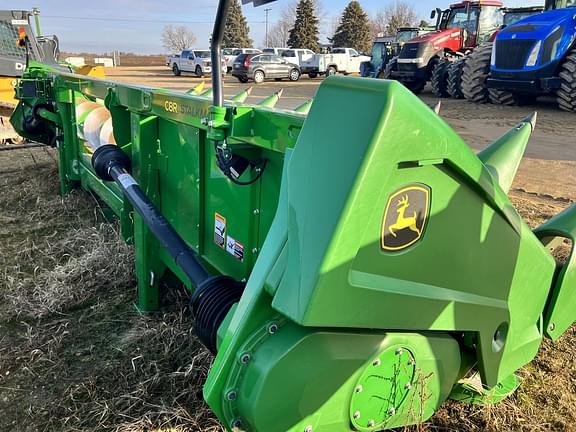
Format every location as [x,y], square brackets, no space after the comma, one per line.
[405,217]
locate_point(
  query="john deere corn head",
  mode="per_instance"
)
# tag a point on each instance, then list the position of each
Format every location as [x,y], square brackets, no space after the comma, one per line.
[350,269]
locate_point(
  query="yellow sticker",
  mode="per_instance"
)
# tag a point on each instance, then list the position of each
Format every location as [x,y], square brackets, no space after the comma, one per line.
[220,230]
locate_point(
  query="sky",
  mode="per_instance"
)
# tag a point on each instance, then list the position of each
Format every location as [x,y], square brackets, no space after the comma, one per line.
[100,26]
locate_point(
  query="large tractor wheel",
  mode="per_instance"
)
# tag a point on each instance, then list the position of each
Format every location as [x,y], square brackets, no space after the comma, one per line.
[415,86]
[391,66]
[503,97]
[455,78]
[439,80]
[475,72]
[566,95]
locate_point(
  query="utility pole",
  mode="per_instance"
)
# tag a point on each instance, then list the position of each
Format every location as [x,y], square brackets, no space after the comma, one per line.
[267,10]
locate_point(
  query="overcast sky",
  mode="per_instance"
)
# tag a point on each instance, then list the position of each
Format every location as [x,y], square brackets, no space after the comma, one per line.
[136,25]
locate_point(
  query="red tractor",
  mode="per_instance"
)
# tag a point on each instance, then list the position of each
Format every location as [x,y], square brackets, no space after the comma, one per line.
[438,56]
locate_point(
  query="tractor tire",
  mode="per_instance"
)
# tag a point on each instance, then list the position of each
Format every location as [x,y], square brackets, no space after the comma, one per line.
[475,72]
[455,78]
[176,70]
[566,95]
[391,66]
[503,97]
[198,71]
[415,87]
[439,79]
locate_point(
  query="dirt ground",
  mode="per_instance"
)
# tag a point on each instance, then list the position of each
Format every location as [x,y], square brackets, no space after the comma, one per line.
[75,355]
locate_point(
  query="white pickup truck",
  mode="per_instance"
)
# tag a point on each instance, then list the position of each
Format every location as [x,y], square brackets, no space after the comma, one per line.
[340,60]
[297,55]
[197,61]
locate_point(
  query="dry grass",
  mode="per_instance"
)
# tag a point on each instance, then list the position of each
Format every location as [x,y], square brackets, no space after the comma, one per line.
[75,355]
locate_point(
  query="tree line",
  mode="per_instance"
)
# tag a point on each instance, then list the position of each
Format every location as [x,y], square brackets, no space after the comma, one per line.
[299,27]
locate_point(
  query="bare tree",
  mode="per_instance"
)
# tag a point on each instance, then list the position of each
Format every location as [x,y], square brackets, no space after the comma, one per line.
[280,32]
[177,38]
[379,23]
[392,17]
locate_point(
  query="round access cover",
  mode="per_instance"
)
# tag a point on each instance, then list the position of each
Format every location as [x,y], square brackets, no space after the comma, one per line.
[382,388]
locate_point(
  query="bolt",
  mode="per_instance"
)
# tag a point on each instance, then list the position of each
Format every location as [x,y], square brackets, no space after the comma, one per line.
[411,362]
[408,386]
[243,280]
[552,327]
[255,250]
[392,411]
[197,247]
[237,424]
[204,121]
[308,428]
[357,415]
[273,328]
[359,389]
[399,351]
[256,211]
[245,358]
[371,423]
[376,363]
[231,395]
[151,278]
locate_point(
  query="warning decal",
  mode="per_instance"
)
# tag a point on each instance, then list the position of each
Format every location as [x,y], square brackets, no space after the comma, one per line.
[235,248]
[220,230]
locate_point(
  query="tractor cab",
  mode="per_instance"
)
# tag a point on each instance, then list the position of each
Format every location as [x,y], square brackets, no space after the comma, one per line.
[513,15]
[387,47]
[559,4]
[478,21]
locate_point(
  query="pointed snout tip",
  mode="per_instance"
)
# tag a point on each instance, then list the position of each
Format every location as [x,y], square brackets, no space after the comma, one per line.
[532,120]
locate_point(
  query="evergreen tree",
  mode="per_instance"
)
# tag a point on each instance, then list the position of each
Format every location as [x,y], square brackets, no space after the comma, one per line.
[237,32]
[304,34]
[354,29]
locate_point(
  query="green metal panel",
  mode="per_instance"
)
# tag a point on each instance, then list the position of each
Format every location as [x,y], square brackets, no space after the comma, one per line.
[337,275]
[560,312]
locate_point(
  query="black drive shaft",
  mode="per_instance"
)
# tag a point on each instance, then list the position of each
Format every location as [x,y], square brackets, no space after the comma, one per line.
[111,163]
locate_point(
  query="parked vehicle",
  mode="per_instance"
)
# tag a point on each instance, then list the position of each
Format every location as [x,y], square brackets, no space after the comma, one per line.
[460,29]
[169,59]
[276,51]
[297,55]
[197,61]
[340,60]
[230,54]
[533,57]
[387,47]
[258,67]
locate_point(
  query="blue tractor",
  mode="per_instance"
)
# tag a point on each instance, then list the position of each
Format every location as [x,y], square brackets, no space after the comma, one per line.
[533,57]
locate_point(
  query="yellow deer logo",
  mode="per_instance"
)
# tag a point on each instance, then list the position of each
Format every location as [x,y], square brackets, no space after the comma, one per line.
[403,222]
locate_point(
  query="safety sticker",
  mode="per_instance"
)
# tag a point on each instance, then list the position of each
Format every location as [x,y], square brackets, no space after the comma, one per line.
[220,230]
[235,248]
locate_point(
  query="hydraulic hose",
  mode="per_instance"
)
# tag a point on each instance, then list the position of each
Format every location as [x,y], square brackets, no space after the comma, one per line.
[216,48]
